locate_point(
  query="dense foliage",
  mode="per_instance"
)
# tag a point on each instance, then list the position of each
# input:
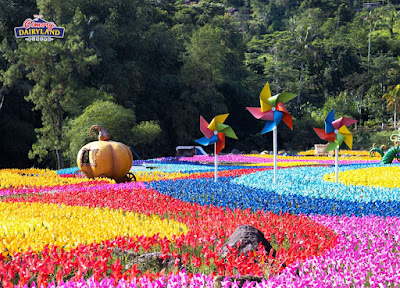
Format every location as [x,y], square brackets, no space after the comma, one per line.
[167,62]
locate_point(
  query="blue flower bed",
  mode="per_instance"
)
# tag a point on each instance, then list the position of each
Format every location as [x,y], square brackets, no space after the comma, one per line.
[64,171]
[227,193]
[309,182]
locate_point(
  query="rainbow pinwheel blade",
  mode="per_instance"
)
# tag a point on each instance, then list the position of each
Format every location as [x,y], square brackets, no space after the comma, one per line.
[336,144]
[258,114]
[204,128]
[344,121]
[221,143]
[227,130]
[220,119]
[348,137]
[325,136]
[339,139]
[328,122]
[271,124]
[332,146]
[286,116]
[264,96]
[207,141]
[281,97]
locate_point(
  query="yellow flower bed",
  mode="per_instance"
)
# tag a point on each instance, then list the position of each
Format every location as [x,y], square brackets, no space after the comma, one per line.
[307,153]
[341,152]
[30,178]
[374,176]
[24,225]
[155,175]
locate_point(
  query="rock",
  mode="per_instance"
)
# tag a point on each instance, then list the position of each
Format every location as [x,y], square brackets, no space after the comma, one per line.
[249,237]
[254,152]
[235,151]
[240,280]
[145,260]
[265,152]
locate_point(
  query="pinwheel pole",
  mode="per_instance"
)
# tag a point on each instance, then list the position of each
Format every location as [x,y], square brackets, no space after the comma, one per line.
[336,165]
[275,147]
[215,163]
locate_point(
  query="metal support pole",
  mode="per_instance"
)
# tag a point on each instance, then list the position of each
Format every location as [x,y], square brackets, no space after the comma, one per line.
[275,147]
[336,165]
[215,163]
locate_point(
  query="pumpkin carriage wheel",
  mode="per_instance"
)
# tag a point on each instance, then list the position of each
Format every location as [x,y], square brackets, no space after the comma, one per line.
[80,174]
[129,177]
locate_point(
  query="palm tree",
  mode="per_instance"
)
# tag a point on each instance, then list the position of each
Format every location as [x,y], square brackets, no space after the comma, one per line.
[393,100]
[303,34]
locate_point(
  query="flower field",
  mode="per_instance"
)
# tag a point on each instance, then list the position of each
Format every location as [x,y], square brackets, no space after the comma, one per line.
[61,231]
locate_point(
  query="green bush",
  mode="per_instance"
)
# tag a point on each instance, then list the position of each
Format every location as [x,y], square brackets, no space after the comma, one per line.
[365,139]
[117,120]
[145,134]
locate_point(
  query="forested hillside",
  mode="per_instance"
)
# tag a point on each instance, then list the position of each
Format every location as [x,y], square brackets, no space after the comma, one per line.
[146,70]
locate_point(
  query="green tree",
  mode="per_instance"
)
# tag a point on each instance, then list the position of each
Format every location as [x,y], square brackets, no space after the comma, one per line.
[392,98]
[304,31]
[204,64]
[117,120]
[56,70]
[383,71]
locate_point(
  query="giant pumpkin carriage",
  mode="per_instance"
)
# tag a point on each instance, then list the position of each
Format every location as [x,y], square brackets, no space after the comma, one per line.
[105,158]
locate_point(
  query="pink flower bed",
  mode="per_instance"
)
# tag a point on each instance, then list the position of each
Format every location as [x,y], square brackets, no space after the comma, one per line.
[231,158]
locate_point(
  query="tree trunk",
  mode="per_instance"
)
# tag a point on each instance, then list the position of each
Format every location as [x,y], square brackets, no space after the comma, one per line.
[59,152]
[213,95]
[1,101]
[369,44]
[300,83]
[276,72]
[395,114]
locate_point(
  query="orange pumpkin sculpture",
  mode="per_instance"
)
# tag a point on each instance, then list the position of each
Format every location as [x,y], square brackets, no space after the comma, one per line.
[105,158]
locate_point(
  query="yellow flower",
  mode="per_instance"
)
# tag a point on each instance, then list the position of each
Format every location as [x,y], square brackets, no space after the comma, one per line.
[316,158]
[283,164]
[341,152]
[155,175]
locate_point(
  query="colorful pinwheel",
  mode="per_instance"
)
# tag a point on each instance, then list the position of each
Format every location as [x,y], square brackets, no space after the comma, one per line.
[336,131]
[215,132]
[272,109]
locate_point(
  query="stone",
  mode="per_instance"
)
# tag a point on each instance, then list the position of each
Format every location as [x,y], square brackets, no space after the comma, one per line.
[235,151]
[239,280]
[265,152]
[144,260]
[254,152]
[249,238]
